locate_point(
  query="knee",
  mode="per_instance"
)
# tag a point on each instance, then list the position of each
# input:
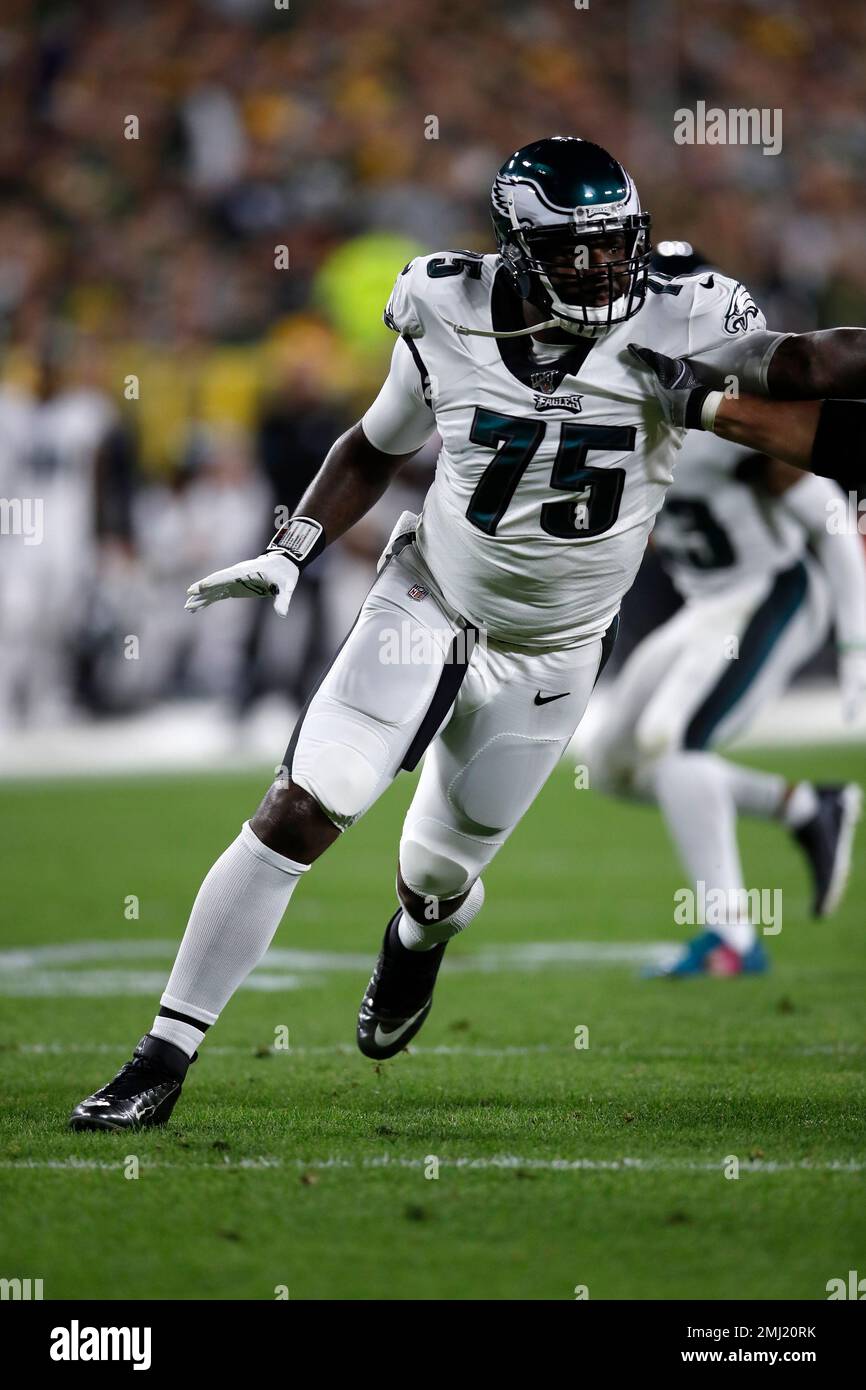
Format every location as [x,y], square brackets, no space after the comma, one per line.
[290,821]
[431,866]
[658,732]
[602,773]
[611,762]
[340,778]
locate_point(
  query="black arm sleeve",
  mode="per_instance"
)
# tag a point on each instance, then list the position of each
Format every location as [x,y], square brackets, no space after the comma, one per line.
[839,450]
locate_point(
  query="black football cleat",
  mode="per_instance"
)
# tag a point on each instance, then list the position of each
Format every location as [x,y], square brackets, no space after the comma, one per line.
[399,996]
[142,1094]
[826,841]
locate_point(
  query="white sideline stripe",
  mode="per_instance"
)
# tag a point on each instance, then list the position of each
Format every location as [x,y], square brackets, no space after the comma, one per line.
[627,1053]
[516,956]
[194,736]
[325,1050]
[504,1162]
[100,984]
[39,971]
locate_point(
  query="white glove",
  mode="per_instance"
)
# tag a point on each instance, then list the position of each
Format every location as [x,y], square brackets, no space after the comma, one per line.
[407,525]
[852,682]
[272,573]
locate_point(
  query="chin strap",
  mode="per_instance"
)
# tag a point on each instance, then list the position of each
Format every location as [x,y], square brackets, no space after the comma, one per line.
[462,329]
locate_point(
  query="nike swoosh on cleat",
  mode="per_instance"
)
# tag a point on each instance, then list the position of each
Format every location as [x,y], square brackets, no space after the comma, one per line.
[546,699]
[383,1039]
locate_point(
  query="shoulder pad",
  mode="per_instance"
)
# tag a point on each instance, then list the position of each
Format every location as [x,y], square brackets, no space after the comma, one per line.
[425,280]
[726,303]
[400,314]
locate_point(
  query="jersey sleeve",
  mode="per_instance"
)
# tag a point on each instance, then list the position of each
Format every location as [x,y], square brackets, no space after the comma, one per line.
[728,335]
[401,419]
[401,312]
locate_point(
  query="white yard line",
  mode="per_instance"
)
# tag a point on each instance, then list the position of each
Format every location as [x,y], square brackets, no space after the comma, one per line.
[626,1053]
[51,971]
[500,1162]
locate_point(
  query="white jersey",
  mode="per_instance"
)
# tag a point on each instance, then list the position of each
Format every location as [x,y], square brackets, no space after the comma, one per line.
[718,532]
[550,474]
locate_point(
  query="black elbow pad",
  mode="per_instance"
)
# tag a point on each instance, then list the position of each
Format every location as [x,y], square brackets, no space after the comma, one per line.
[839,450]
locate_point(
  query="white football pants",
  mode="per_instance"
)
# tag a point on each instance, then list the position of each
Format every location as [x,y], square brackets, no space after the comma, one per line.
[390,692]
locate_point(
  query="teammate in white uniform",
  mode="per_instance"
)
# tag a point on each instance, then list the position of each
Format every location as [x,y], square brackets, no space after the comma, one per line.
[557,447]
[746,542]
[734,536]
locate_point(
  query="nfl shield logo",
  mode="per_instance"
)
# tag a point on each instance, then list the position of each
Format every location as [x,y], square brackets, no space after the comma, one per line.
[546,381]
[417,592]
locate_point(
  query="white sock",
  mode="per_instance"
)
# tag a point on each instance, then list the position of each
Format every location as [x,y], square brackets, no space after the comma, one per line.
[175,1030]
[233,920]
[801,806]
[422,936]
[696,800]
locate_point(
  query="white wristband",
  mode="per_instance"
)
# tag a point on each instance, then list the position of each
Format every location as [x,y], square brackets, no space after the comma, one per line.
[710,408]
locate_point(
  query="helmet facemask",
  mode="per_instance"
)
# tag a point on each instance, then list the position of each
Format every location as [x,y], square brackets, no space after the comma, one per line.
[588,274]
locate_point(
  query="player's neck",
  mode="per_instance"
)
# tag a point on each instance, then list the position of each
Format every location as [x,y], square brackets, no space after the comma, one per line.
[556,337]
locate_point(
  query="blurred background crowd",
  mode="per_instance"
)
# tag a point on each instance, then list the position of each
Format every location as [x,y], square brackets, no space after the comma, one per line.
[203,205]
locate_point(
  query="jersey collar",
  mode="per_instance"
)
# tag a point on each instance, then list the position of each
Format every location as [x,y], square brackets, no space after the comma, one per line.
[506,316]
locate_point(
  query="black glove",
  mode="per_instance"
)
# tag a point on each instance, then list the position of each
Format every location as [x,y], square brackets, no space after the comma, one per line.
[680,392]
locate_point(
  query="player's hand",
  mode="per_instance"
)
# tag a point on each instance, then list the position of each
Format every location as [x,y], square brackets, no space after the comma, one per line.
[677,388]
[852,683]
[273,573]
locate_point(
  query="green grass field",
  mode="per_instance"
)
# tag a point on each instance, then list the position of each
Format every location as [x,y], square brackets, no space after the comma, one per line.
[306,1168]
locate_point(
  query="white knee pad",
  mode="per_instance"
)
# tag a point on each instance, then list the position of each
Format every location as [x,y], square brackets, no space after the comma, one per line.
[341,778]
[436,861]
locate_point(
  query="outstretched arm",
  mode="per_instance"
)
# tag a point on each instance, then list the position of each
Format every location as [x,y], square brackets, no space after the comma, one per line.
[361,465]
[351,480]
[788,366]
[782,429]
[354,475]
[823,437]
[827,437]
[810,366]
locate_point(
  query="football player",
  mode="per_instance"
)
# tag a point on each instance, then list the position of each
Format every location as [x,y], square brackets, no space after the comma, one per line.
[558,444]
[746,542]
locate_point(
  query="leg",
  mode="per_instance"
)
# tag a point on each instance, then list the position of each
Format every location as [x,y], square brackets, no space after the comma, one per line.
[346,749]
[709,696]
[612,751]
[479,778]
[348,746]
